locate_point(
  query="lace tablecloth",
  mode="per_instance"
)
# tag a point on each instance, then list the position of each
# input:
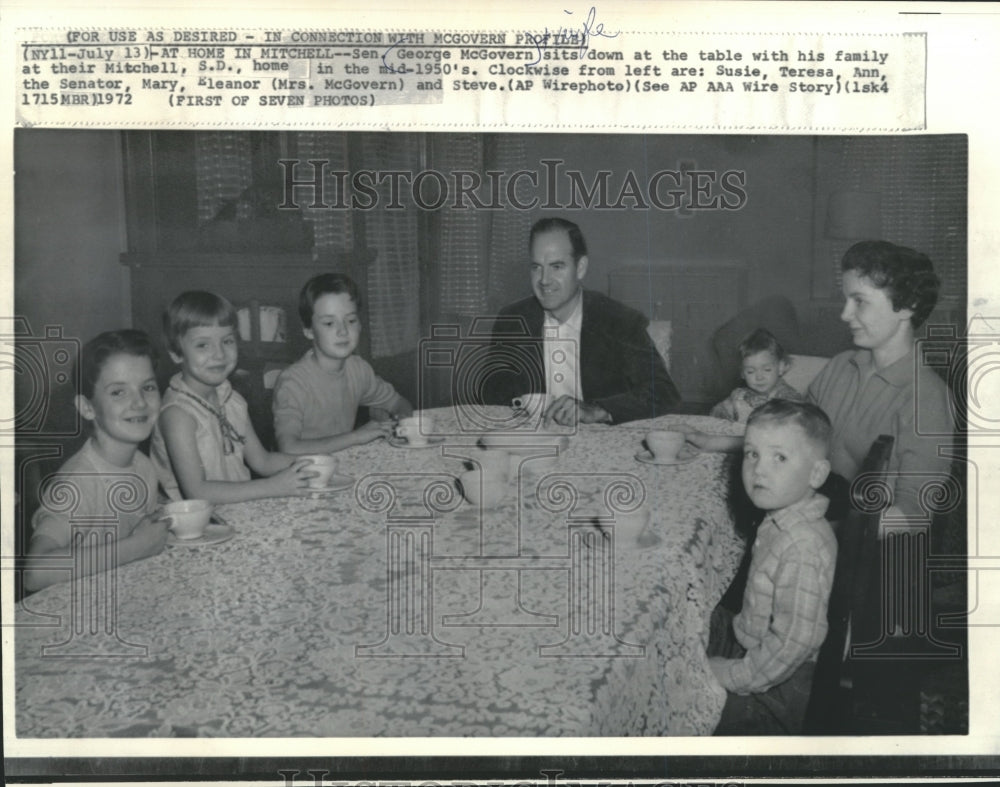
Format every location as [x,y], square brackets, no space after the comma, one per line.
[398,609]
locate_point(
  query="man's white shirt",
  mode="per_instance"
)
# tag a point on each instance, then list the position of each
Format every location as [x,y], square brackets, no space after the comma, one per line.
[561,351]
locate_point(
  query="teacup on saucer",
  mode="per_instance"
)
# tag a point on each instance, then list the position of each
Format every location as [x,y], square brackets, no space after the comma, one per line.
[188,518]
[664,445]
[323,466]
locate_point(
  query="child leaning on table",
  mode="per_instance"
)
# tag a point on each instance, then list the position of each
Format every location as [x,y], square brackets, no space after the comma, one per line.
[765,656]
[763,365]
[204,445]
[316,399]
[119,397]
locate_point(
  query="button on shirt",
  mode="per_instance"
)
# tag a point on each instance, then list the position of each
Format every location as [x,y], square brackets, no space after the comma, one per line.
[561,350]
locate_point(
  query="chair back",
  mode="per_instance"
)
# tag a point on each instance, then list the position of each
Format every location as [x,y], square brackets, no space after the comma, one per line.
[850,603]
[775,313]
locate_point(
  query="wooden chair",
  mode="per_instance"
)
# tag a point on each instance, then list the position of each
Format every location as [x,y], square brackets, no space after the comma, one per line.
[853,600]
[263,354]
[34,462]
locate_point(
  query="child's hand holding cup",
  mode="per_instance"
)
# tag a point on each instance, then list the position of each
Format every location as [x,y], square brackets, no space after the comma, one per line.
[321,467]
[188,518]
[664,445]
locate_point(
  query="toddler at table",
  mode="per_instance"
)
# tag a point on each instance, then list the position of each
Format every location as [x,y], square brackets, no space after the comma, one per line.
[119,398]
[316,399]
[204,445]
[763,366]
[765,656]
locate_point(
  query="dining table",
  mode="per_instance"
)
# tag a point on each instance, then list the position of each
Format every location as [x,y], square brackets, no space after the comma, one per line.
[387,604]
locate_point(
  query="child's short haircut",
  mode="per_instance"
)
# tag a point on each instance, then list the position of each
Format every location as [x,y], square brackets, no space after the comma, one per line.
[908,275]
[813,421]
[195,309]
[96,352]
[761,341]
[325,284]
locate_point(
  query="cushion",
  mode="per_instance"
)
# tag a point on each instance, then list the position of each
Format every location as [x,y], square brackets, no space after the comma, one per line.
[803,370]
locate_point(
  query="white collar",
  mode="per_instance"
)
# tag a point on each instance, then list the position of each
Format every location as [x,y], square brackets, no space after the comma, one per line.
[575,320]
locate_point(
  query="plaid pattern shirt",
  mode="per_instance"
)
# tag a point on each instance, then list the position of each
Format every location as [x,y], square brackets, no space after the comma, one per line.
[783,621]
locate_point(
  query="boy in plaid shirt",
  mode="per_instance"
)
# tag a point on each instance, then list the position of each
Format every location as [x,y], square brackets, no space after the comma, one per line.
[765,656]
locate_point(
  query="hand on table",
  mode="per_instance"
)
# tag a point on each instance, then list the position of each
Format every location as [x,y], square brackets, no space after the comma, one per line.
[720,669]
[294,479]
[150,533]
[567,411]
[696,442]
[373,430]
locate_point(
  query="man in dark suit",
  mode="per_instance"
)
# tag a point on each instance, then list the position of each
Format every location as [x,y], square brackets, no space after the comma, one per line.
[589,353]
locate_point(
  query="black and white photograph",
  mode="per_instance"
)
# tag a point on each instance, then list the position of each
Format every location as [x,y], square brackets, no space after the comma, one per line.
[478,437]
[441,583]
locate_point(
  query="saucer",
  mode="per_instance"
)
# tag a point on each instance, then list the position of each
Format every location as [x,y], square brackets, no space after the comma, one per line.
[337,483]
[216,531]
[402,442]
[647,458]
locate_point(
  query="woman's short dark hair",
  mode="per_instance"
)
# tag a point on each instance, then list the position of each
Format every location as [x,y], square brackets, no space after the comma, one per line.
[325,284]
[98,350]
[552,223]
[908,275]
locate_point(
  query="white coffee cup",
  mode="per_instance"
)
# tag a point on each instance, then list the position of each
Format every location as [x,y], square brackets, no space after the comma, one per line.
[533,403]
[188,518]
[323,466]
[664,444]
[482,489]
[416,429]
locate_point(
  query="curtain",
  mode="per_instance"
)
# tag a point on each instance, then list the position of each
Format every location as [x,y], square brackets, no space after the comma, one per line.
[332,229]
[508,241]
[483,251]
[394,277]
[223,169]
[463,266]
[480,251]
[921,185]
